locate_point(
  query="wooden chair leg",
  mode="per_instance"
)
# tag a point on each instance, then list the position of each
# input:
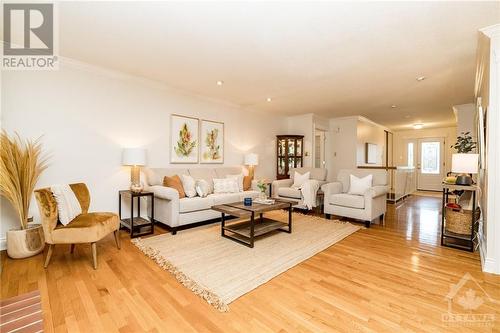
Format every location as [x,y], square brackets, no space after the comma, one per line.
[117,238]
[49,254]
[94,254]
[72,248]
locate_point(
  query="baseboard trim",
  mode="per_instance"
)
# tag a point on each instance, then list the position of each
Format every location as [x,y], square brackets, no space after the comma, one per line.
[3,244]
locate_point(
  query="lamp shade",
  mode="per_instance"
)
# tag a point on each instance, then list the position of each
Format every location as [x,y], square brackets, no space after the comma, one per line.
[134,156]
[464,163]
[251,159]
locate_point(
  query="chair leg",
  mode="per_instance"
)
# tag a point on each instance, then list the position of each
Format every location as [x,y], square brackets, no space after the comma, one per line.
[94,254]
[117,239]
[72,248]
[49,254]
[367,224]
[328,216]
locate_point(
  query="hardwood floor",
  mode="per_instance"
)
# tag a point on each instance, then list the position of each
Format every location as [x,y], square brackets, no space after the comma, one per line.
[389,278]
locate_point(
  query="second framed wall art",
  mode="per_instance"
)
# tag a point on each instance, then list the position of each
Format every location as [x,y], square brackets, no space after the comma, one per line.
[212,142]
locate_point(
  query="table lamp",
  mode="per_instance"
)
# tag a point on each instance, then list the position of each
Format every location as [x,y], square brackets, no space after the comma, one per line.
[135,157]
[464,165]
[251,160]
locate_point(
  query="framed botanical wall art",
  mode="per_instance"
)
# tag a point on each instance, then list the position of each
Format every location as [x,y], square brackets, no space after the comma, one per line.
[212,142]
[184,139]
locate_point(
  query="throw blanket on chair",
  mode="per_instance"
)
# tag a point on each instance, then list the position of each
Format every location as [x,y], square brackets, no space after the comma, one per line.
[308,192]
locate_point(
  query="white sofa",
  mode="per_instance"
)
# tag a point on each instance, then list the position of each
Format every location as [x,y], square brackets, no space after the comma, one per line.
[282,188]
[365,207]
[175,212]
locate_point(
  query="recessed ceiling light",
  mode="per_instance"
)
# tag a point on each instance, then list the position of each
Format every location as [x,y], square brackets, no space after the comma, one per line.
[418,126]
[220,83]
[269,99]
[420,78]
[394,106]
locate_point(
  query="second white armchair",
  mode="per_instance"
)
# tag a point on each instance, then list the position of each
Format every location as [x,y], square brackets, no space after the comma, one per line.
[366,207]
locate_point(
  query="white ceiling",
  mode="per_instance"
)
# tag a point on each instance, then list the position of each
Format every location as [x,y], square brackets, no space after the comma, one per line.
[332,59]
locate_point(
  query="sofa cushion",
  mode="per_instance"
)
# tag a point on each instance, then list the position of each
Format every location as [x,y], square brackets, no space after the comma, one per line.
[194,204]
[289,192]
[347,200]
[222,172]
[154,176]
[224,198]
[207,174]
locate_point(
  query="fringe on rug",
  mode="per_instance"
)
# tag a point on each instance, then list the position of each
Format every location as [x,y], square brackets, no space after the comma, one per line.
[202,292]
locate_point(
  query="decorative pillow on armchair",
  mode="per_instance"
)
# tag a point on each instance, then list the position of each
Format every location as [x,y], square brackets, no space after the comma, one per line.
[360,185]
[299,179]
[68,206]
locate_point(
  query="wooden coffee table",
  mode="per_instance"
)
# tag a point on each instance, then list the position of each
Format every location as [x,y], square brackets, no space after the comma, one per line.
[250,222]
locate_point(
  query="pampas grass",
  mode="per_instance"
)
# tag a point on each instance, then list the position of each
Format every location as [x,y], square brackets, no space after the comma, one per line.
[21,164]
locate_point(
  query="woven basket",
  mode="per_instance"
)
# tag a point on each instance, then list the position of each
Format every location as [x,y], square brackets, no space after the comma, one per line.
[460,222]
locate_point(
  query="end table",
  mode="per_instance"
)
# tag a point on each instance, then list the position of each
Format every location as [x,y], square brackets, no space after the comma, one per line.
[137,224]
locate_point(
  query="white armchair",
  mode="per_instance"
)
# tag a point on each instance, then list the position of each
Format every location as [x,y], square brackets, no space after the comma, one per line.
[282,188]
[365,207]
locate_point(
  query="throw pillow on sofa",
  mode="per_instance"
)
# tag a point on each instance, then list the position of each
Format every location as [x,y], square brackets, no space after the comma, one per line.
[299,179]
[175,183]
[202,188]
[226,185]
[188,183]
[239,180]
[360,185]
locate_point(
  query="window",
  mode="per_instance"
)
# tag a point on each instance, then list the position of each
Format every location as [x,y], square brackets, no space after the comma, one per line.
[411,162]
[430,157]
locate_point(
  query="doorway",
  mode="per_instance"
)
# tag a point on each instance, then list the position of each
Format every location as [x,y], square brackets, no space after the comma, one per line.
[319,148]
[430,163]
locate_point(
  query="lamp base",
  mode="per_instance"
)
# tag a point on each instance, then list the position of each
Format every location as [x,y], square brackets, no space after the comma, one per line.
[464,180]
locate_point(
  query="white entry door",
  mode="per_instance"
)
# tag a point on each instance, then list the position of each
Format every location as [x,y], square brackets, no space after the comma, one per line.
[430,164]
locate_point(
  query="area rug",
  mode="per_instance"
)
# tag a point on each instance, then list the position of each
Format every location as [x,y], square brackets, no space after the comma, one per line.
[220,270]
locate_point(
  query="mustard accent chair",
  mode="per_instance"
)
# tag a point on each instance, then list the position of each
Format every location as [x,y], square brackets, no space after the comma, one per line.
[85,228]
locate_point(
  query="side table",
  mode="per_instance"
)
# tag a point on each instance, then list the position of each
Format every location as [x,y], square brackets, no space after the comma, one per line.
[137,225]
[458,241]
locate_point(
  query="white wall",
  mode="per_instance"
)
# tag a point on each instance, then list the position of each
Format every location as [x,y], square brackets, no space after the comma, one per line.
[370,132]
[466,119]
[401,139]
[343,145]
[87,115]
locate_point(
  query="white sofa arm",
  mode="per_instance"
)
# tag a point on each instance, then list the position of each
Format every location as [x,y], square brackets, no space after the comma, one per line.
[166,205]
[331,188]
[377,191]
[276,184]
[164,192]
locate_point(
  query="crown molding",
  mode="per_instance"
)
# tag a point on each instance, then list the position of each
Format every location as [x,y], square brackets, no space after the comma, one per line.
[143,81]
[491,31]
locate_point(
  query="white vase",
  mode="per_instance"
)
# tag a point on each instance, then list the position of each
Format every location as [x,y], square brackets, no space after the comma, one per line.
[24,243]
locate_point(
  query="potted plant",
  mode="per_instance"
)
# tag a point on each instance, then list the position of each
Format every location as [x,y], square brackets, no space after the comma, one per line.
[21,164]
[262,185]
[464,144]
